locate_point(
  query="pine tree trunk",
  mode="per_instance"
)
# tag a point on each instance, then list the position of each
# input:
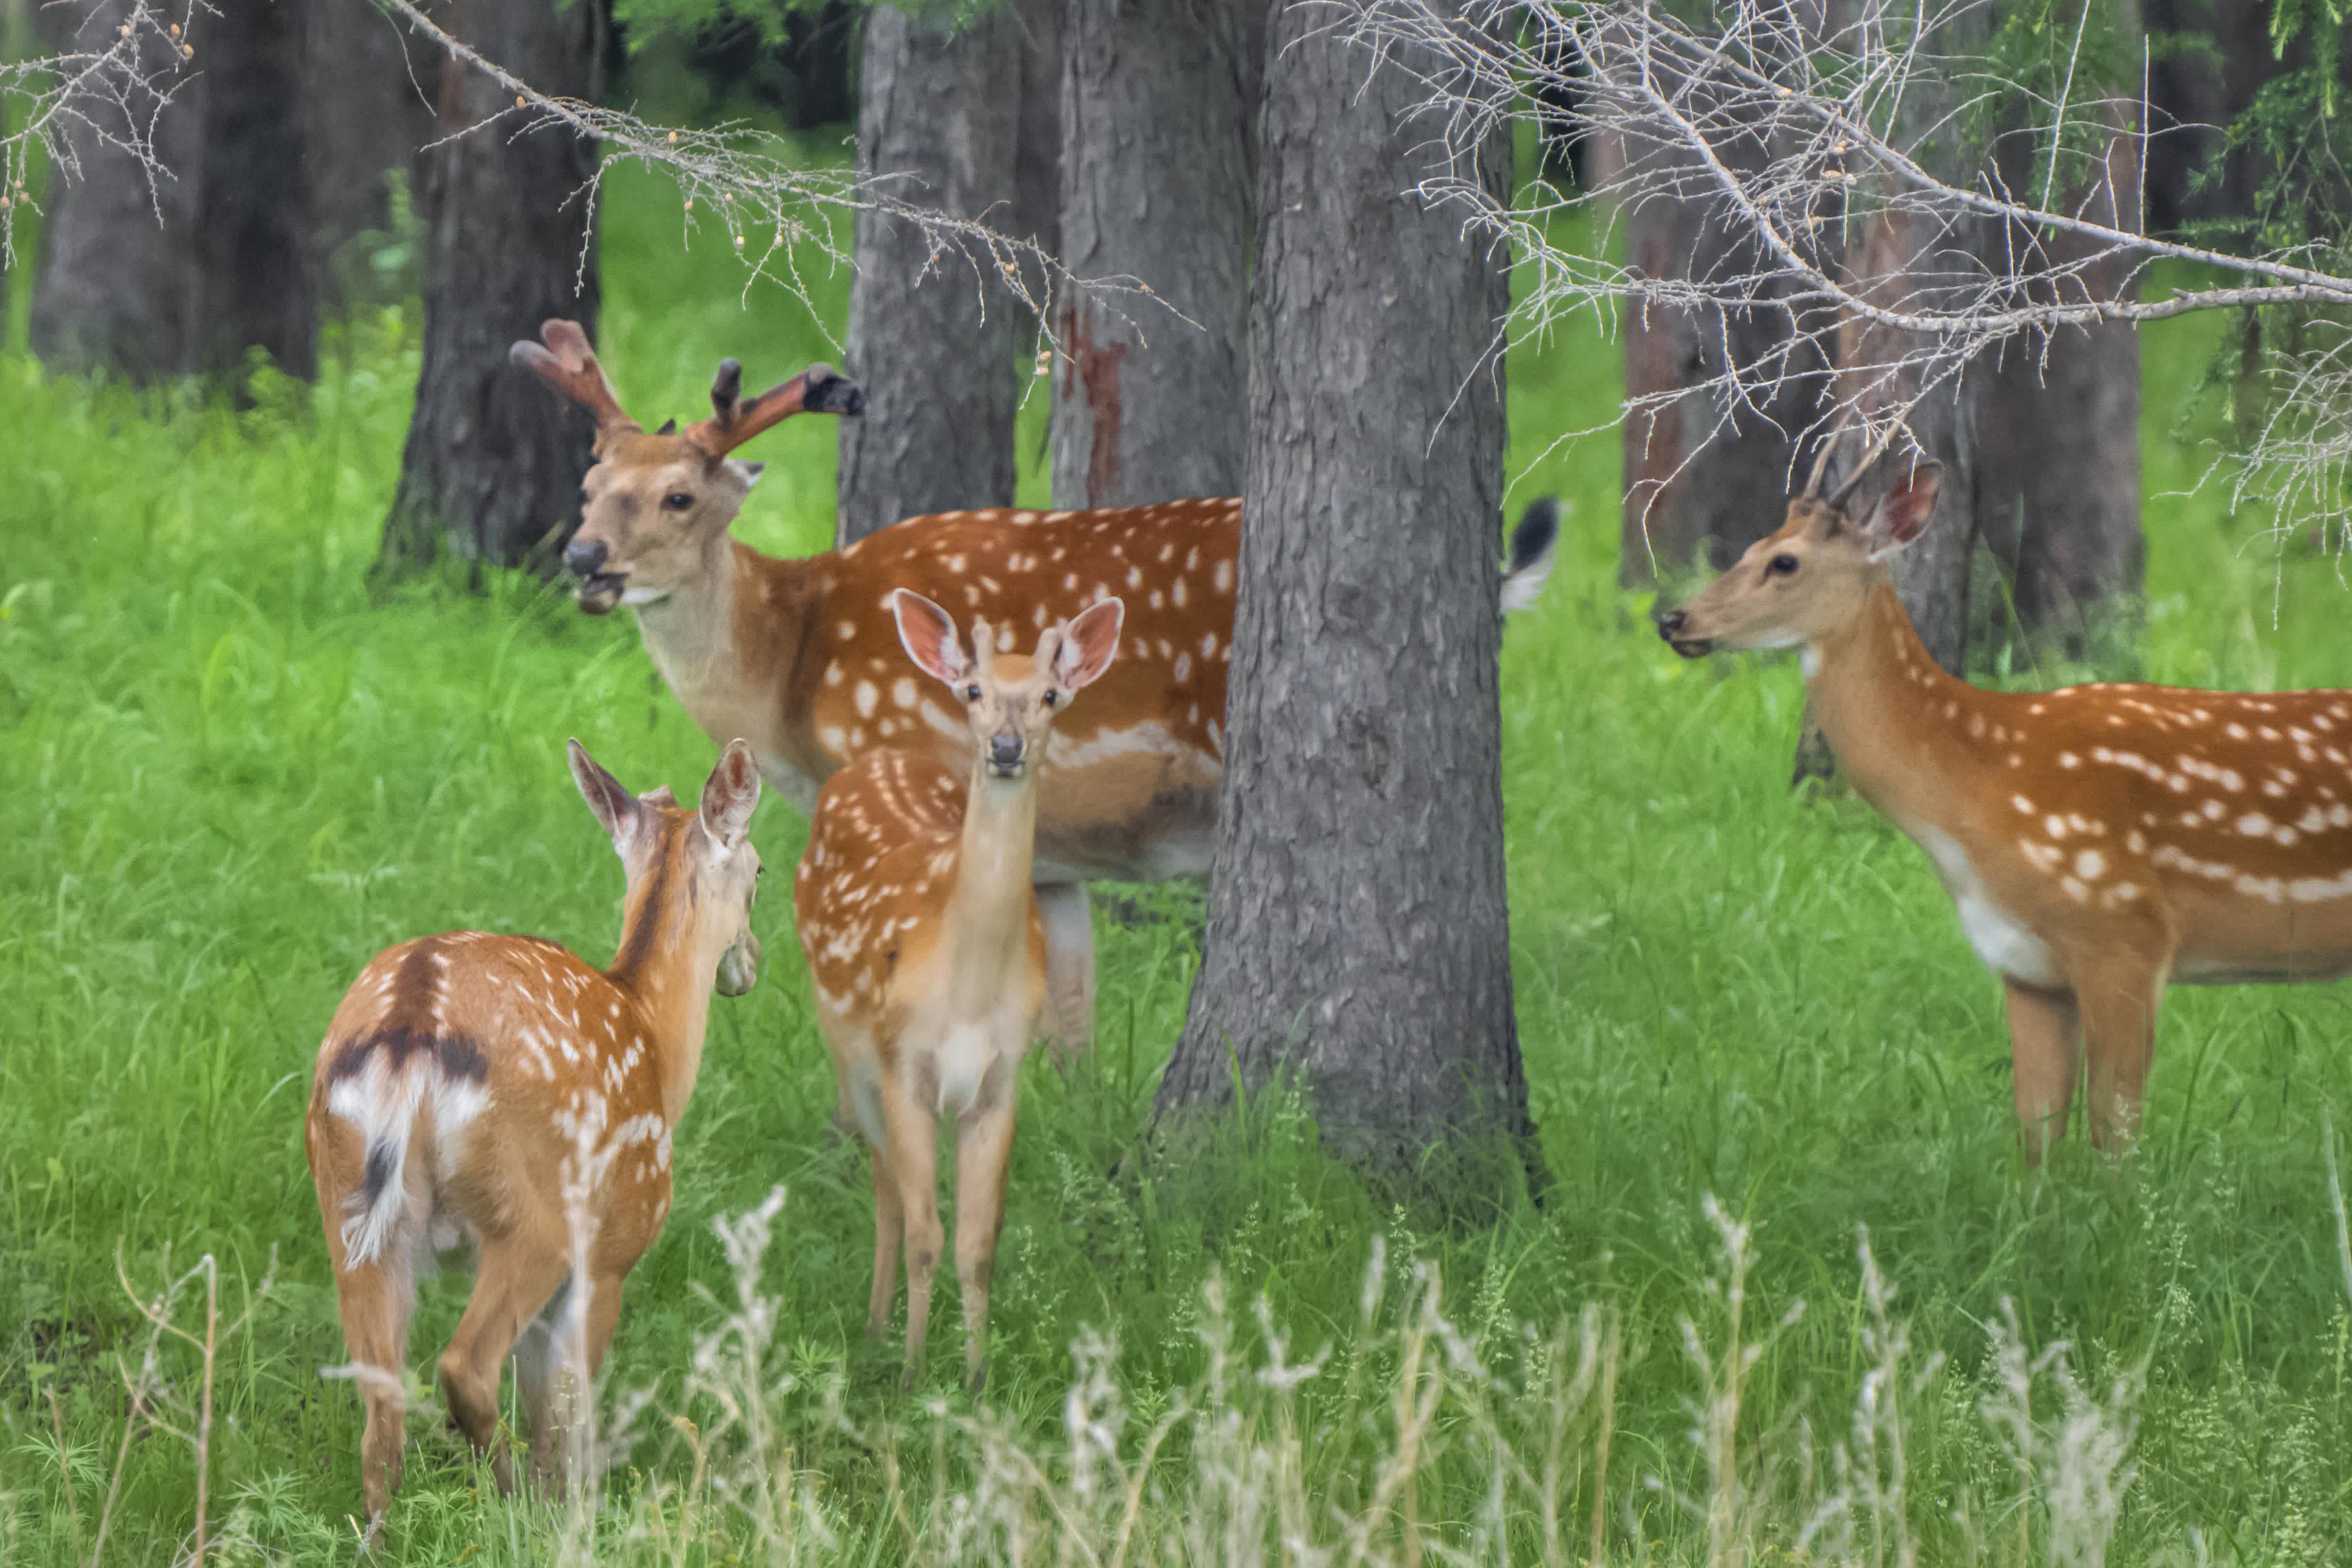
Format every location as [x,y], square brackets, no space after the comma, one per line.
[2058,433]
[931,344]
[1704,473]
[492,468]
[1357,933]
[254,279]
[1156,103]
[112,293]
[363,119]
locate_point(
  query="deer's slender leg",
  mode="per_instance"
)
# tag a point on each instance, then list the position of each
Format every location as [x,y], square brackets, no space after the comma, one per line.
[555,1418]
[984,1164]
[2045,1037]
[913,1134]
[2118,995]
[374,1301]
[1069,1016]
[889,1222]
[517,1274]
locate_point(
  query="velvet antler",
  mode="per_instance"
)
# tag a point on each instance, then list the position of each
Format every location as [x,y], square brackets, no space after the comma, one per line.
[733,421]
[568,364]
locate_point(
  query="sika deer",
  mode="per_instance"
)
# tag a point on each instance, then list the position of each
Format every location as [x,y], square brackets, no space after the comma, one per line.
[921,929]
[800,657]
[2101,841]
[500,1089]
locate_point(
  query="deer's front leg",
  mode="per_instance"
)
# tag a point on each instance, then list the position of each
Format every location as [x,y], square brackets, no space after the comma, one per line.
[1067,1019]
[2045,1039]
[984,1164]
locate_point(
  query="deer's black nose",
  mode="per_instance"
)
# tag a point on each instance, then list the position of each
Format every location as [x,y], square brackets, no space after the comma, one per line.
[1669,623]
[585,557]
[1004,750]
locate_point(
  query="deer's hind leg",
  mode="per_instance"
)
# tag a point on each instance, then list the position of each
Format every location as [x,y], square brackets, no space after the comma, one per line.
[517,1274]
[375,1298]
[2119,993]
[1069,1016]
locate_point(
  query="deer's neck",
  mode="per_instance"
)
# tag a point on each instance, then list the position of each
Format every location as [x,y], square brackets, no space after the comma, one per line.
[987,919]
[667,966]
[691,634]
[1908,735]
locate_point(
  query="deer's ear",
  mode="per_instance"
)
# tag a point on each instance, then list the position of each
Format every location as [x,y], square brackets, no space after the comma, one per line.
[748,472]
[929,634]
[1088,644]
[730,794]
[615,807]
[1903,513]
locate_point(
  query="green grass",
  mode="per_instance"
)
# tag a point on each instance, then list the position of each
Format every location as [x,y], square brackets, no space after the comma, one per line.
[230,778]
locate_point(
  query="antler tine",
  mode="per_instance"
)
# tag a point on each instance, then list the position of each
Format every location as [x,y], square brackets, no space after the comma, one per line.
[735,419]
[1869,462]
[1813,490]
[569,364]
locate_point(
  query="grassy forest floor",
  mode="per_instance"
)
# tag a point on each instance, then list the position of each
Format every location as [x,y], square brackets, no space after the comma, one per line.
[229,777]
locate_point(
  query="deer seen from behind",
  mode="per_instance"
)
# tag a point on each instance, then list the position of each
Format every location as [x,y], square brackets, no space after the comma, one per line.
[499,1090]
[801,657]
[922,933]
[2101,842]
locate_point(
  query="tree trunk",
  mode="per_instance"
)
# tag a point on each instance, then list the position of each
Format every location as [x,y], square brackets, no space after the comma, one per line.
[253,275]
[930,343]
[492,468]
[1704,473]
[112,293]
[1037,161]
[363,120]
[2221,55]
[818,53]
[2058,433]
[1357,932]
[1899,261]
[1156,102]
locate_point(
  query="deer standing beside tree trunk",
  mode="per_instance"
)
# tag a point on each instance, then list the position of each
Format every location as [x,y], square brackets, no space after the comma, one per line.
[801,657]
[927,944]
[2100,842]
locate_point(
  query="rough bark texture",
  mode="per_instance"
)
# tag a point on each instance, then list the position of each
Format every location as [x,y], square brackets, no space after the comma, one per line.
[253,272]
[112,293]
[930,343]
[493,464]
[365,116]
[1156,103]
[1037,161]
[1357,933]
[2058,441]
[1703,476]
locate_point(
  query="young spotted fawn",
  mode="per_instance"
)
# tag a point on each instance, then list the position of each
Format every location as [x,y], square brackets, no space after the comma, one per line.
[499,1089]
[922,928]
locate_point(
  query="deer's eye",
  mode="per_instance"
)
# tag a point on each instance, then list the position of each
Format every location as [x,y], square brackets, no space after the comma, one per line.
[971,694]
[1051,697]
[677,500]
[1781,566]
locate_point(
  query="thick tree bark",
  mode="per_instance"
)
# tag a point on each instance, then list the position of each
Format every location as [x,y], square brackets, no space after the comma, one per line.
[1704,474]
[112,293]
[930,343]
[1156,103]
[1037,160]
[2058,436]
[1357,933]
[363,119]
[253,275]
[492,468]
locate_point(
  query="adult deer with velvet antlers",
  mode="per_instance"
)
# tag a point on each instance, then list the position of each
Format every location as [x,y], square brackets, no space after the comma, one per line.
[2101,841]
[497,1089]
[801,657]
[922,930]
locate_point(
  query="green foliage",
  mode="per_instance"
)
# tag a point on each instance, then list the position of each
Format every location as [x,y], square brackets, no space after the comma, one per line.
[227,778]
[648,18]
